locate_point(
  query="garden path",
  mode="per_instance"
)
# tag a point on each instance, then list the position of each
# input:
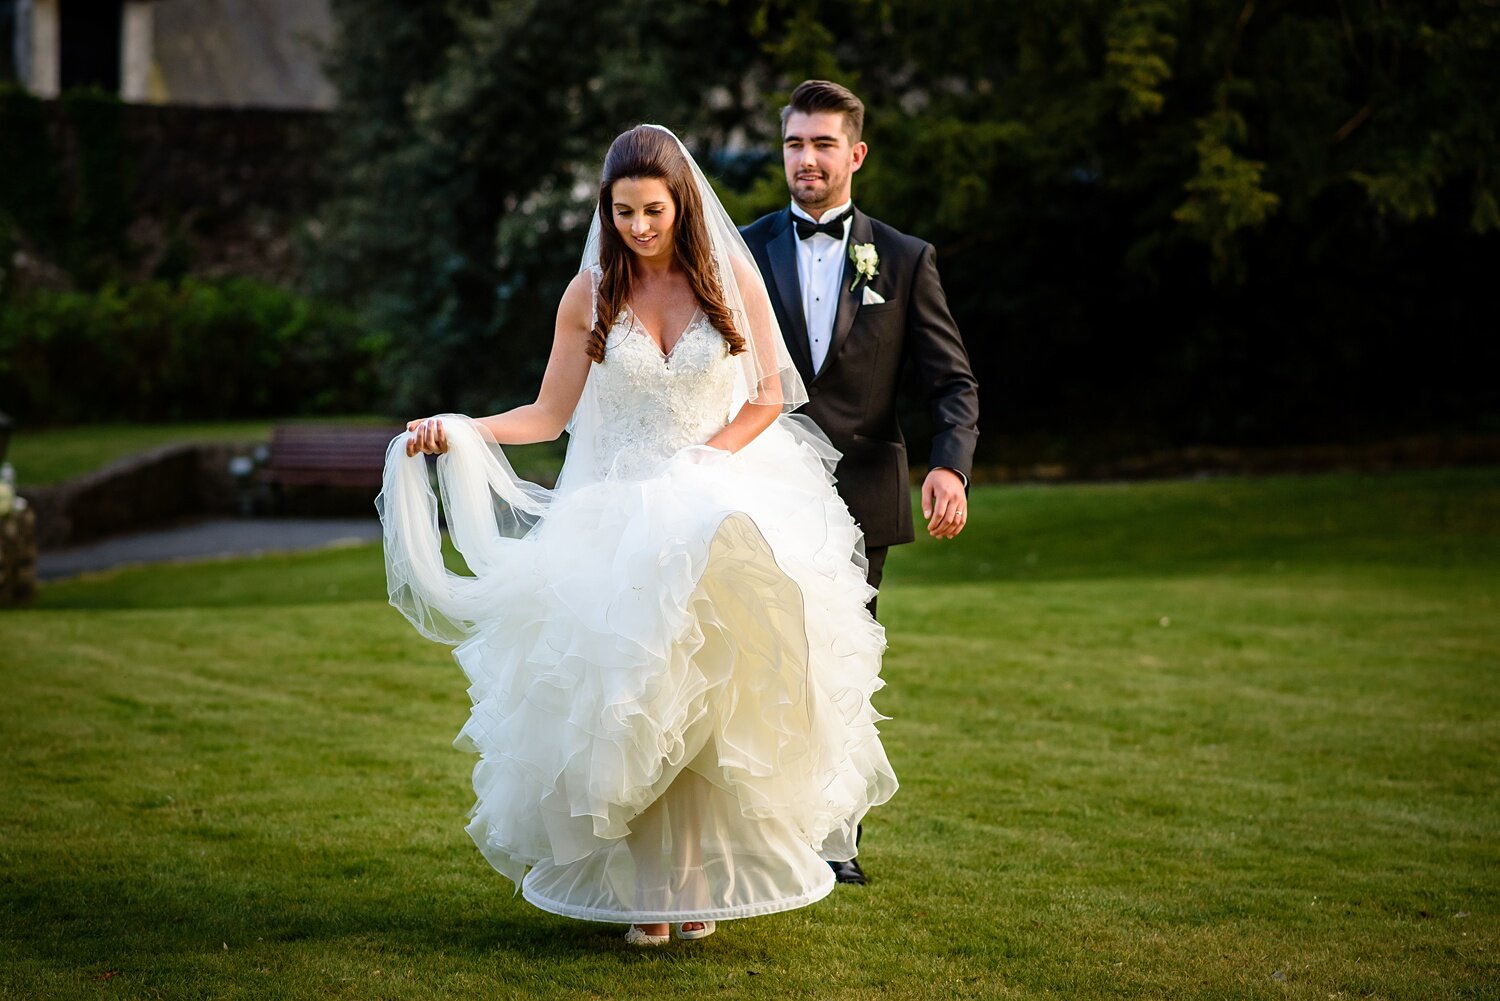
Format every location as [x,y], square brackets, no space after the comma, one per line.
[205,538]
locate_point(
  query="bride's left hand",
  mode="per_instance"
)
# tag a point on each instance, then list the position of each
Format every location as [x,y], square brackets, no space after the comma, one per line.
[428,437]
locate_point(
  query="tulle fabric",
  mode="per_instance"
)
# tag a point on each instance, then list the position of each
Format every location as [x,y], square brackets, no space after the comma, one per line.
[671,675]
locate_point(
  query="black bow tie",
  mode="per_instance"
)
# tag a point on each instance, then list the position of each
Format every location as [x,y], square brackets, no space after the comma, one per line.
[833,227]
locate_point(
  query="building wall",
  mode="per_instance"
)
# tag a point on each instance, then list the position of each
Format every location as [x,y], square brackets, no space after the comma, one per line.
[136,48]
[45,70]
[217,53]
[240,53]
[14,40]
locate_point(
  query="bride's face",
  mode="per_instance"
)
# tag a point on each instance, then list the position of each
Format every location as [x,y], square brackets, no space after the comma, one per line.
[644,214]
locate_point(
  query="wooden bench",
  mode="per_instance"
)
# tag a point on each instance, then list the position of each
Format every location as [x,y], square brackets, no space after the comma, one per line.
[314,455]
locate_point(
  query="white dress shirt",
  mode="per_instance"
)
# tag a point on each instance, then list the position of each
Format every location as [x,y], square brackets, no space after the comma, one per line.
[820,272]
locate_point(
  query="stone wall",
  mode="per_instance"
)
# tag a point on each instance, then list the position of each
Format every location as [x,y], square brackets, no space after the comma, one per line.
[211,191]
[143,491]
[226,160]
[235,186]
[18,547]
[173,482]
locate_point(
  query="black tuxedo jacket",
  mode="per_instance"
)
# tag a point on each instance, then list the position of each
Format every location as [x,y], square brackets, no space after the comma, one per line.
[853,397]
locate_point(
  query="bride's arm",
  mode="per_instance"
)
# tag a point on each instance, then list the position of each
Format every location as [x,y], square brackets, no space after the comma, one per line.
[562,384]
[754,418]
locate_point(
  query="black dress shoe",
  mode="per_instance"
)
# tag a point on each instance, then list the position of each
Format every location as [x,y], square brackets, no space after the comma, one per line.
[848,872]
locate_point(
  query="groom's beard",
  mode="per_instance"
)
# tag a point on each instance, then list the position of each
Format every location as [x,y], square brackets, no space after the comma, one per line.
[815,196]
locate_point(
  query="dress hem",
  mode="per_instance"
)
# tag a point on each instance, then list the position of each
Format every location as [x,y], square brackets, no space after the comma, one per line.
[658,917]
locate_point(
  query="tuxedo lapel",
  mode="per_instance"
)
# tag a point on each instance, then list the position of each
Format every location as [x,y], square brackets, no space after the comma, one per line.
[782,251]
[849,300]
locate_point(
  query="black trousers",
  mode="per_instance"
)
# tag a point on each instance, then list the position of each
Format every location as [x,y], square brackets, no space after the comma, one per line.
[876,556]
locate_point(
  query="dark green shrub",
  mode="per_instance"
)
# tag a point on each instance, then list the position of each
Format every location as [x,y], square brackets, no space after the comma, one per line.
[30,196]
[67,184]
[102,179]
[195,350]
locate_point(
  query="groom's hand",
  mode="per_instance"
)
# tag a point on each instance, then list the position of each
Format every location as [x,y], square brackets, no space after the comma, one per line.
[944,504]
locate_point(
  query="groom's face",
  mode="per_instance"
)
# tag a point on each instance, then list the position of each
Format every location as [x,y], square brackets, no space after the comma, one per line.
[820,160]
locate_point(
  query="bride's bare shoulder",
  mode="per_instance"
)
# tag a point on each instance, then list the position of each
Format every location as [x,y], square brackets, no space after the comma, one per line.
[580,289]
[576,310]
[752,286]
[745,272]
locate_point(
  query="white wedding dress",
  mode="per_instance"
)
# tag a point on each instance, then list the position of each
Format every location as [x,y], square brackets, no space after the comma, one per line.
[671,662]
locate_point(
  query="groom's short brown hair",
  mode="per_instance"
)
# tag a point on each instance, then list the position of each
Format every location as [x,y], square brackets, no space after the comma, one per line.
[814,96]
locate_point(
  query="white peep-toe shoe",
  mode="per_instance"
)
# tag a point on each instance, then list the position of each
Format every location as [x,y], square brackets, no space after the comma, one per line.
[708,929]
[635,936]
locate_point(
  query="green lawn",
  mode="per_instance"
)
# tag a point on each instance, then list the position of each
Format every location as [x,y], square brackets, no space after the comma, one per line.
[1224,738]
[51,456]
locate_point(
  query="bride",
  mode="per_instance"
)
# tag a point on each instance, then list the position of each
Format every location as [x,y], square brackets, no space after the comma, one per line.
[670,655]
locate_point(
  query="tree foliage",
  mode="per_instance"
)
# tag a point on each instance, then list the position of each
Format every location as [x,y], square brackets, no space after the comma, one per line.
[1195,220]
[1222,115]
[189,350]
[470,143]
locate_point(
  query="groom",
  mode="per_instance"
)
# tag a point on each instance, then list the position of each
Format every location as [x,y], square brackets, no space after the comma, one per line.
[856,300]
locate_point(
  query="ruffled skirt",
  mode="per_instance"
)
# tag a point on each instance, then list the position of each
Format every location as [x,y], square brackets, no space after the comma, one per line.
[671,679]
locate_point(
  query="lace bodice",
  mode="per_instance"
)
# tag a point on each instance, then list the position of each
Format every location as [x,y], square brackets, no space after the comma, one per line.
[652,405]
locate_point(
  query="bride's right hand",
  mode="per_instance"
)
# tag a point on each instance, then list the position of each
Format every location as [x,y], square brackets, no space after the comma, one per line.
[427,437]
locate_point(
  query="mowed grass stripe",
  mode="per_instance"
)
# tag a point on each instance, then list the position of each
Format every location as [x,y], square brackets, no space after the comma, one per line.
[236,779]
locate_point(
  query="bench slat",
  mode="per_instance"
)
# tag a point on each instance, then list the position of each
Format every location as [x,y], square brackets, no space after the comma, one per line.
[304,455]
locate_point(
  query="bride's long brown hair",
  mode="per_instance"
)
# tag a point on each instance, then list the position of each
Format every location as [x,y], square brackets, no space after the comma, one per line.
[643,152]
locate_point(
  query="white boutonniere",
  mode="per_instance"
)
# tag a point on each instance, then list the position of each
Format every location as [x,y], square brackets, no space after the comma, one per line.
[866,262]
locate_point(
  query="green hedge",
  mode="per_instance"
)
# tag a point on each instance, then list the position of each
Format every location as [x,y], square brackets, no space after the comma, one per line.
[190,350]
[67,180]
